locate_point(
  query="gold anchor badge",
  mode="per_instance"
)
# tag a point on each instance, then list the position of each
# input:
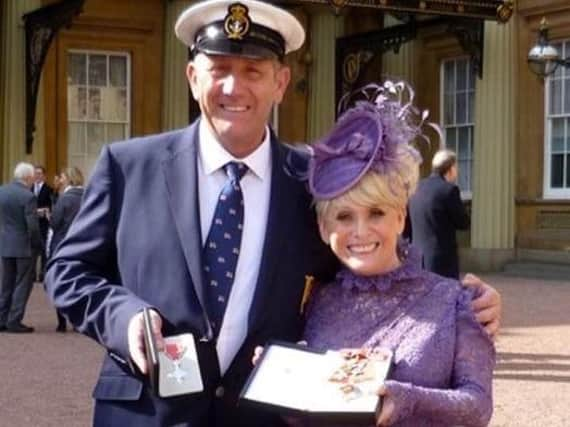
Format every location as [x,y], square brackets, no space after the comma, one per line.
[237,21]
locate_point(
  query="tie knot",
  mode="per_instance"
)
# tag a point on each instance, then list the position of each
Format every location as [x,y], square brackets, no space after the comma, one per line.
[235,170]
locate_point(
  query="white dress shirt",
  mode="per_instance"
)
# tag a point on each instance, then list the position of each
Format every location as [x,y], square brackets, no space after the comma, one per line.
[38,188]
[256,186]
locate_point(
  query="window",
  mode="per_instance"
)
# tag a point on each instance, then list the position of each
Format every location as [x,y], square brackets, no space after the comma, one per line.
[458,105]
[557,144]
[98,104]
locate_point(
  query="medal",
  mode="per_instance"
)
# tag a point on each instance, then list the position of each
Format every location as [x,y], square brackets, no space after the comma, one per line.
[175,352]
[357,367]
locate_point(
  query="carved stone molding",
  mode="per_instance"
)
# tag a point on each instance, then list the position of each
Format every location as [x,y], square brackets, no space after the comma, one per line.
[499,10]
[41,27]
[530,8]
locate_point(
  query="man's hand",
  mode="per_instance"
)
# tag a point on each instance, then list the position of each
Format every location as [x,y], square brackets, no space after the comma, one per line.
[136,338]
[487,306]
[257,352]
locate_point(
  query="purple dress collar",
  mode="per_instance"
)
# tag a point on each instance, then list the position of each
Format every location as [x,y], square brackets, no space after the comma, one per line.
[409,269]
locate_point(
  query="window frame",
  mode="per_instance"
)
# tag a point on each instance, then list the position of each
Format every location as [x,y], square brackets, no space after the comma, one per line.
[465,194]
[550,192]
[128,122]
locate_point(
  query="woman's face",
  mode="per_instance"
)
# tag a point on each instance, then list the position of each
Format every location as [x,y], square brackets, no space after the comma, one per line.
[363,238]
[63,181]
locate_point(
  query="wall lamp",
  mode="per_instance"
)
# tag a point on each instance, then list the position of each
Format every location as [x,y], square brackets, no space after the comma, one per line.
[543,58]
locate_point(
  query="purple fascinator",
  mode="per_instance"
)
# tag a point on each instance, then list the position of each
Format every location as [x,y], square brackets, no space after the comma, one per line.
[374,135]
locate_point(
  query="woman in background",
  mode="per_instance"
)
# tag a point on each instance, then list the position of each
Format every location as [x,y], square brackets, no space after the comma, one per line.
[68,202]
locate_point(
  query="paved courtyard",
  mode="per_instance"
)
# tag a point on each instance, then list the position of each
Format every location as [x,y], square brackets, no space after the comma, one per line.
[47,377]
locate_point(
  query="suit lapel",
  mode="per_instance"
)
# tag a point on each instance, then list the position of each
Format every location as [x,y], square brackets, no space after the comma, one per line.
[274,236]
[180,171]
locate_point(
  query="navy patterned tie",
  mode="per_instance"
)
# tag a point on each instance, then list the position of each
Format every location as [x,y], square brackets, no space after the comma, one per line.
[222,247]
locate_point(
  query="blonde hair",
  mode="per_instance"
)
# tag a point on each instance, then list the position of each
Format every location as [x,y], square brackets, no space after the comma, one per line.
[374,189]
[74,176]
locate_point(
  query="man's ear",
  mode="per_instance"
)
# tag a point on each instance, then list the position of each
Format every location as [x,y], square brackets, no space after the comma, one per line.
[192,79]
[282,77]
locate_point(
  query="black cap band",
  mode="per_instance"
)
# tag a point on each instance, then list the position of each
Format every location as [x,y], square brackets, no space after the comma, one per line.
[259,42]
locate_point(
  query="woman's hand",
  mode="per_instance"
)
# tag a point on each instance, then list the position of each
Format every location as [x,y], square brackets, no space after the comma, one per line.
[387,410]
[257,352]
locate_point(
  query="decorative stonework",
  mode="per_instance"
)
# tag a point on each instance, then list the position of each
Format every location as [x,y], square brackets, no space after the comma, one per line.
[355,53]
[42,26]
[498,10]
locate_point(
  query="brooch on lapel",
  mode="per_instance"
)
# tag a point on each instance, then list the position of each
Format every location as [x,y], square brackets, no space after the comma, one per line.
[307,291]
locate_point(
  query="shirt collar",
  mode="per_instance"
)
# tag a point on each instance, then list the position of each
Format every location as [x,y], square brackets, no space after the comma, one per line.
[216,156]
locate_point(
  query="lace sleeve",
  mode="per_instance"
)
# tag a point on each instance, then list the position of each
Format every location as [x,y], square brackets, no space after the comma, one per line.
[468,401]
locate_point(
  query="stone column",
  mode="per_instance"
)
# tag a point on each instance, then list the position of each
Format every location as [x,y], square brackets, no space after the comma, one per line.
[176,90]
[325,27]
[401,65]
[492,229]
[13,82]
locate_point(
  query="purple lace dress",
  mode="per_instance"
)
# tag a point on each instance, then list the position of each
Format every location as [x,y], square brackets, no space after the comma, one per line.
[443,358]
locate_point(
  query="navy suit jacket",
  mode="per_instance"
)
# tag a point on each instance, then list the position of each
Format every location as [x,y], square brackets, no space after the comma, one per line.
[64,211]
[45,198]
[136,243]
[19,228]
[436,212]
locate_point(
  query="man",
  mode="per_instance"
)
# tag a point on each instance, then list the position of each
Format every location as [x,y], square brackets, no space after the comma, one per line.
[436,212]
[124,252]
[19,242]
[44,194]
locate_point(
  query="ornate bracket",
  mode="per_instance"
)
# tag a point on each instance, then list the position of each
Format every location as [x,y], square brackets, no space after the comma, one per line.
[337,5]
[354,53]
[41,27]
[498,10]
[470,34]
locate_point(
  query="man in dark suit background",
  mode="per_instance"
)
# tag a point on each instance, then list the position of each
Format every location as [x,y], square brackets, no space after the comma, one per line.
[44,194]
[19,243]
[436,212]
[141,236]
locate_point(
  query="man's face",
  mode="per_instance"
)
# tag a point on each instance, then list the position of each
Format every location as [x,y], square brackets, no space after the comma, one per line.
[453,173]
[39,175]
[30,180]
[236,96]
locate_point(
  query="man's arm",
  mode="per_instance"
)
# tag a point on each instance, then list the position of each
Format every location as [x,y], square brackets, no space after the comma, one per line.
[32,224]
[83,278]
[487,305]
[456,209]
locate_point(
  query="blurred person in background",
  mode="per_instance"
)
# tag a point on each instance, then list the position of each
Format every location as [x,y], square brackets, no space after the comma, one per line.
[44,194]
[70,186]
[436,213]
[20,243]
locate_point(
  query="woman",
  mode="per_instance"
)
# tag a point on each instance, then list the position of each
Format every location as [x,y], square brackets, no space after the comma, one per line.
[71,191]
[361,176]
